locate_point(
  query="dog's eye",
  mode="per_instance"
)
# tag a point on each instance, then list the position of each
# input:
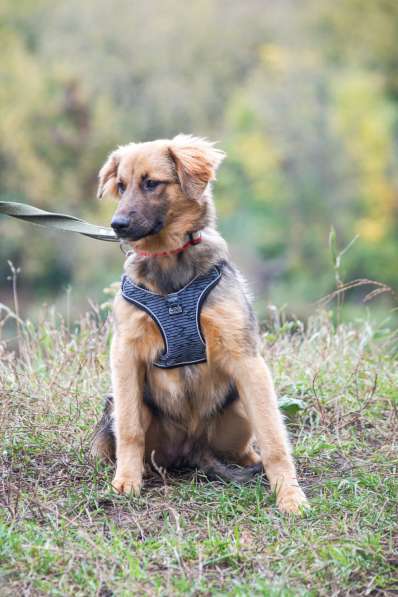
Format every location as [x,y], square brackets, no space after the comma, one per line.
[121,187]
[150,184]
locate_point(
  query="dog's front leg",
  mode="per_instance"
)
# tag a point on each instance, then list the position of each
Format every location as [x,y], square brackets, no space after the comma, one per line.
[132,417]
[256,390]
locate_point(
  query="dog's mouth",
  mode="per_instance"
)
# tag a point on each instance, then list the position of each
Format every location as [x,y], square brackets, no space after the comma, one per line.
[136,231]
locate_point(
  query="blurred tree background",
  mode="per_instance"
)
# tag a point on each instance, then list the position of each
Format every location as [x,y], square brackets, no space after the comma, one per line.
[303,96]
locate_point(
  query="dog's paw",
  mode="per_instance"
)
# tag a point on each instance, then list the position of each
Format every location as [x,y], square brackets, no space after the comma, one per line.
[126,485]
[291,500]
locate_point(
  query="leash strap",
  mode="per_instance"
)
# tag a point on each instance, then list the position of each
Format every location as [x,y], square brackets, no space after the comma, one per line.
[28,213]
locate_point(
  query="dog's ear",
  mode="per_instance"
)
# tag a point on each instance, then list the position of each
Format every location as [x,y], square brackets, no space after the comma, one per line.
[196,163]
[107,175]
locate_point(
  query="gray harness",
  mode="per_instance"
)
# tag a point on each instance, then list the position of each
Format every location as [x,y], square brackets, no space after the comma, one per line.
[178,317]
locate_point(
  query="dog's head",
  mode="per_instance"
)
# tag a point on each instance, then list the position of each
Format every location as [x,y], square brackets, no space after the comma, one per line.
[161,186]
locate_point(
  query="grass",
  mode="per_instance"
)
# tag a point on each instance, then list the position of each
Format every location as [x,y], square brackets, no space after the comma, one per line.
[64,532]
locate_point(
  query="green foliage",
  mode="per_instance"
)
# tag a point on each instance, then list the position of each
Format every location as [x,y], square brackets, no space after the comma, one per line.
[302,96]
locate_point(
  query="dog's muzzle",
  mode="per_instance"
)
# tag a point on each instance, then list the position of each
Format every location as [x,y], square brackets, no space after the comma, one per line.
[128,229]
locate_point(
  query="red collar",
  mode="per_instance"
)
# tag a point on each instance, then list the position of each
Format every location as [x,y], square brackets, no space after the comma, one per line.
[194,238]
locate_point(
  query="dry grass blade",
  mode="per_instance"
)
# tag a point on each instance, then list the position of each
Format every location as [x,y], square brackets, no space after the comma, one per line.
[341,290]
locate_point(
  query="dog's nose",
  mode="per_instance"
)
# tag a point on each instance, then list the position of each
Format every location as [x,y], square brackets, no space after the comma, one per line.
[120,223]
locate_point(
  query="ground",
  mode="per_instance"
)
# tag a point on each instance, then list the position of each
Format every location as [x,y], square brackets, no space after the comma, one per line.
[64,532]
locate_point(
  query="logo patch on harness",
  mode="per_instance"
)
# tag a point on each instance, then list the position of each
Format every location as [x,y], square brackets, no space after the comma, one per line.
[173,304]
[175,309]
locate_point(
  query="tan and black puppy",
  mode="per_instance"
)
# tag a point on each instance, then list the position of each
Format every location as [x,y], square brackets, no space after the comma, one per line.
[202,414]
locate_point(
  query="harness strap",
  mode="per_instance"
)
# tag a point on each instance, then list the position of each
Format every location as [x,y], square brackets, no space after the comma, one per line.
[177,316]
[28,213]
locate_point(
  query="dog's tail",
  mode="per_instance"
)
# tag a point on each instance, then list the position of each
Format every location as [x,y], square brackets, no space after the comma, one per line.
[215,469]
[103,444]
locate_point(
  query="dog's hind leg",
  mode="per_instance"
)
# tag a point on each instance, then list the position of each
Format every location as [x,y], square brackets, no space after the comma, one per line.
[103,444]
[231,436]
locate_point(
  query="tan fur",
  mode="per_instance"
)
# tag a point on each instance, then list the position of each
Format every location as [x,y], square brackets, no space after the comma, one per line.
[190,398]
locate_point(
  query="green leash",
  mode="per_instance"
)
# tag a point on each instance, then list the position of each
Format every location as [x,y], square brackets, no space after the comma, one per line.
[28,213]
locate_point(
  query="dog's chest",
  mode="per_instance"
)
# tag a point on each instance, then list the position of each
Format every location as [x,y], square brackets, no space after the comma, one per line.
[188,394]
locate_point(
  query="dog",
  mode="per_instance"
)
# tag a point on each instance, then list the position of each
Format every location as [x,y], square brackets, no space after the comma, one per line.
[206,406]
